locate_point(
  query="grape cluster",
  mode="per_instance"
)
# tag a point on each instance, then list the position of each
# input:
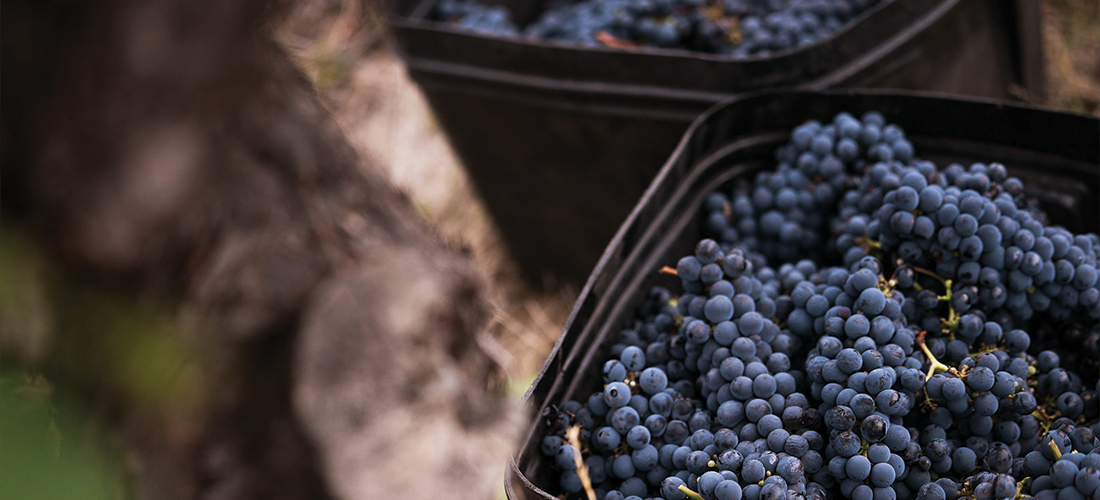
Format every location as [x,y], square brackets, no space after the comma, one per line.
[471,15]
[885,355]
[965,226]
[1065,465]
[787,212]
[737,28]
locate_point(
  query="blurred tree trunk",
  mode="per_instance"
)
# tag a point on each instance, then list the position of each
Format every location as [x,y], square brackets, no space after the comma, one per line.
[166,151]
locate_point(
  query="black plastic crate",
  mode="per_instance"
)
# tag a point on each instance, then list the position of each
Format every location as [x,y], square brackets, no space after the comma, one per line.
[561,140]
[1056,154]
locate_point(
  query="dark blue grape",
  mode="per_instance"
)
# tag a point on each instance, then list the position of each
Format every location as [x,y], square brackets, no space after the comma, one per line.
[1070,404]
[718,309]
[565,457]
[727,490]
[616,394]
[751,324]
[764,385]
[931,491]
[882,475]
[638,437]
[614,371]
[633,358]
[874,428]
[980,379]
[858,467]
[954,389]
[707,250]
[1063,473]
[858,325]
[670,488]
[752,471]
[689,268]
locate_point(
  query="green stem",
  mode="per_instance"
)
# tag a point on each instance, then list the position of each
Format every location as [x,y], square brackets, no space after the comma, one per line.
[935,363]
[868,244]
[1020,489]
[928,399]
[951,324]
[928,273]
[687,491]
[1054,448]
[947,291]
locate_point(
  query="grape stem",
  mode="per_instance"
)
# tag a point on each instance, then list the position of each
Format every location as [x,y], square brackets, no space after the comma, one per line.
[964,489]
[935,363]
[888,285]
[691,494]
[928,399]
[668,270]
[1020,489]
[928,273]
[988,349]
[1044,421]
[1054,448]
[947,291]
[952,322]
[573,435]
[868,244]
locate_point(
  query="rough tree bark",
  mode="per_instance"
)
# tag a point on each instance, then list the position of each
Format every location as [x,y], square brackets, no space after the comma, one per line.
[168,148]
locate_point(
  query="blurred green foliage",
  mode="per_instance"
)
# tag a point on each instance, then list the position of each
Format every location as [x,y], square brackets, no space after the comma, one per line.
[68,346]
[47,449]
[82,333]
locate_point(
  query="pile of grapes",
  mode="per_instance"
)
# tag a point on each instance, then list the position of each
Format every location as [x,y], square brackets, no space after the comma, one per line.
[736,28]
[470,15]
[952,354]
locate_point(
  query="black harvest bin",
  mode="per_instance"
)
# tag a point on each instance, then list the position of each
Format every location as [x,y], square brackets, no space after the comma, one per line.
[1056,154]
[561,140]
